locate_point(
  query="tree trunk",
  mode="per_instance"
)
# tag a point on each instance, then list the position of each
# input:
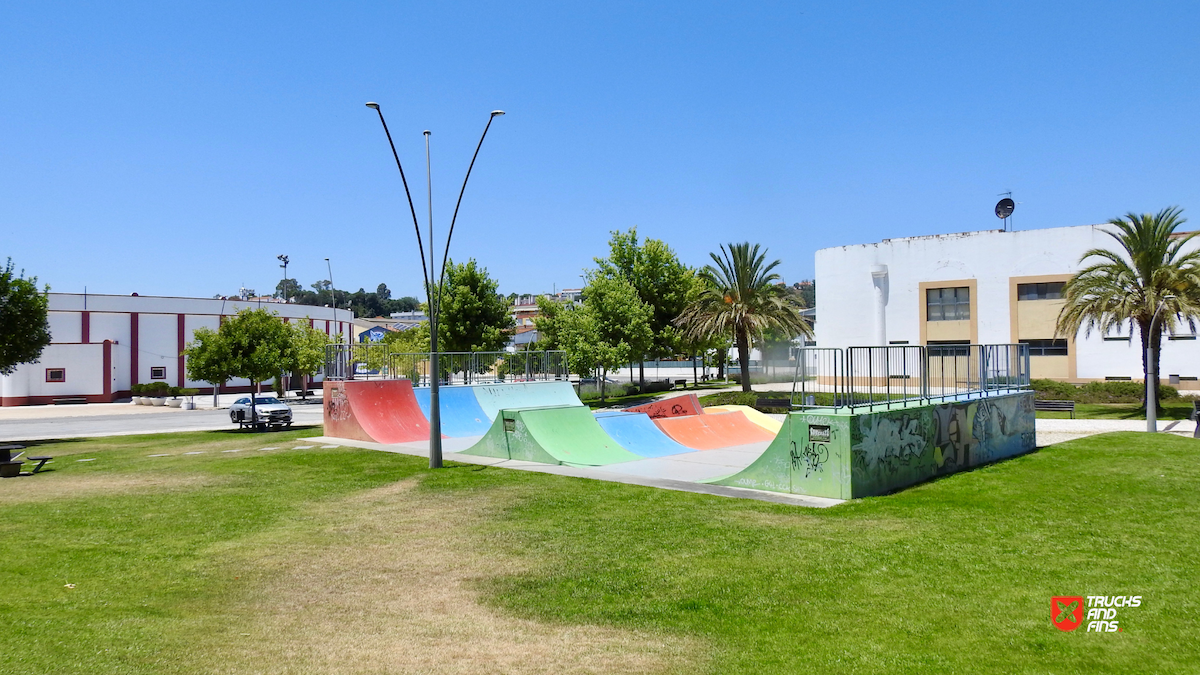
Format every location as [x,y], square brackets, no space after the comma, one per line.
[1155,341]
[721,354]
[642,374]
[603,376]
[695,381]
[743,347]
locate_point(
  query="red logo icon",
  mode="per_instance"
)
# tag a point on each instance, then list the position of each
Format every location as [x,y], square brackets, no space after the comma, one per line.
[1066,612]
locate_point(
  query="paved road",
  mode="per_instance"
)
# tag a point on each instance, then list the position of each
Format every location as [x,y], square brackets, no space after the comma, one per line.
[33,429]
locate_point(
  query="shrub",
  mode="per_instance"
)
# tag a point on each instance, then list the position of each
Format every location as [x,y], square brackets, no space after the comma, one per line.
[1098,392]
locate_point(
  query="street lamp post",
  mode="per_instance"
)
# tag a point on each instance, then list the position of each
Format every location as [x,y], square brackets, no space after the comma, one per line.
[1152,372]
[433,282]
[332,295]
[284,259]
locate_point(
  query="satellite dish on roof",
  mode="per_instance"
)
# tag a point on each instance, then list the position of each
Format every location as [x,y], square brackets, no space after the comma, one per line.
[1004,209]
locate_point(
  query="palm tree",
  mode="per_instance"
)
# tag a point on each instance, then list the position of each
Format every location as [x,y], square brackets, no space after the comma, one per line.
[741,296]
[1150,273]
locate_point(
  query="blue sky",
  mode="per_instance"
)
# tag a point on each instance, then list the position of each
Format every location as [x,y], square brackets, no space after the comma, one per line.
[176,150]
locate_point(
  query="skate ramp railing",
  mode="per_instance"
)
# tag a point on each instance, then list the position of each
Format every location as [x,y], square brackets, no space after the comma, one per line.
[378,362]
[899,375]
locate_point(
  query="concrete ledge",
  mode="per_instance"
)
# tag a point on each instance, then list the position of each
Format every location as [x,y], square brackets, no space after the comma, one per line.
[610,473]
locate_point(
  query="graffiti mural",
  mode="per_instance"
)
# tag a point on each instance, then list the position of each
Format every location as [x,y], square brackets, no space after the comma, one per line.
[861,454]
[893,449]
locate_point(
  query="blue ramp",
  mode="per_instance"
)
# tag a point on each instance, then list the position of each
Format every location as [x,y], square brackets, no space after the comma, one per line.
[461,414]
[637,433]
[496,397]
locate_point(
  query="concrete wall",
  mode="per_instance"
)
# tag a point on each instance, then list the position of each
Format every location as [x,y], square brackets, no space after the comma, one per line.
[851,455]
[850,279]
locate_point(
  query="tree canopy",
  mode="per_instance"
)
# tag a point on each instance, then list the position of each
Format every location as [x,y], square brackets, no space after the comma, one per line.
[24,327]
[660,280]
[611,327]
[1147,273]
[259,344]
[208,358]
[474,316]
[741,298]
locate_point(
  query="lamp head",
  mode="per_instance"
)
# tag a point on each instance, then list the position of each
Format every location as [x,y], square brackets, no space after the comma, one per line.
[497,113]
[372,104]
[427,132]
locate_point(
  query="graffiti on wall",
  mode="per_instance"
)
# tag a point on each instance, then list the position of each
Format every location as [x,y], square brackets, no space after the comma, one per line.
[811,459]
[896,448]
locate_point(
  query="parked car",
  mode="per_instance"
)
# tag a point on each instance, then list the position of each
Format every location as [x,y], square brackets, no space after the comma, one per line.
[269,412]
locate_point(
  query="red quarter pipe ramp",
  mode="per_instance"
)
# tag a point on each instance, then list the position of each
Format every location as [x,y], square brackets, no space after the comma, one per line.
[380,411]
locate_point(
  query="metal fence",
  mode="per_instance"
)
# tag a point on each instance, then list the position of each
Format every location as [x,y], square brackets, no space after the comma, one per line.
[896,375]
[378,362]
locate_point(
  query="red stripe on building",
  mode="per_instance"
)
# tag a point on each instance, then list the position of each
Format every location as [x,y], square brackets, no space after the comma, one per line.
[108,375]
[133,348]
[86,327]
[182,373]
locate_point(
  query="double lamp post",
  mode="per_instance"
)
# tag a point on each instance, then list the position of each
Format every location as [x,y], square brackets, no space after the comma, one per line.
[433,282]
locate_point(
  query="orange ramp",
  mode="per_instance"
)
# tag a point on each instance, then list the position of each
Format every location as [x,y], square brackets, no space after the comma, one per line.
[712,431]
[676,406]
[379,411]
[760,418]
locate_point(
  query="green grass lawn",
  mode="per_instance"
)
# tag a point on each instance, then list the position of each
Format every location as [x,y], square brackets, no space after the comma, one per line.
[236,562]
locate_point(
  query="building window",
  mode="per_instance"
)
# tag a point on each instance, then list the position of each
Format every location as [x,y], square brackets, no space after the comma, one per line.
[158,372]
[56,374]
[1051,290]
[948,304]
[1046,347]
[948,348]
[1183,336]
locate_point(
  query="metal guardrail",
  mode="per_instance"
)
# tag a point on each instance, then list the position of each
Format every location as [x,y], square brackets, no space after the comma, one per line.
[890,376]
[378,362]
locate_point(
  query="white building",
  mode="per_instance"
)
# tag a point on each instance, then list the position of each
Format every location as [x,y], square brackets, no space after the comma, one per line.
[104,344]
[983,287]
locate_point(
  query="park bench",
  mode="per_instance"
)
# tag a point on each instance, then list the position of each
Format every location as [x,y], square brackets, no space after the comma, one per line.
[69,400]
[681,383]
[10,464]
[41,461]
[1056,406]
[773,403]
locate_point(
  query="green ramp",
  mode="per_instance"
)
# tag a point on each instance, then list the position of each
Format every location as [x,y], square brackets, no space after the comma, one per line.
[798,464]
[554,435]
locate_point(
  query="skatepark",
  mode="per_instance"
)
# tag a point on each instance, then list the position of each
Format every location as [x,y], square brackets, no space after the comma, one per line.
[855,430]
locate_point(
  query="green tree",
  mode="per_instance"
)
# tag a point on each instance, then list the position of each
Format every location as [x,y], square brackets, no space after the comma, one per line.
[287,288]
[1147,271]
[208,359]
[549,322]
[414,340]
[406,304]
[259,345]
[661,281]
[24,327]
[474,317]
[306,355]
[741,298]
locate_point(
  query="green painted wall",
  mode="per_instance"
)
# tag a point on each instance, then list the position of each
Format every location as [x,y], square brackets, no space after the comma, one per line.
[860,455]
